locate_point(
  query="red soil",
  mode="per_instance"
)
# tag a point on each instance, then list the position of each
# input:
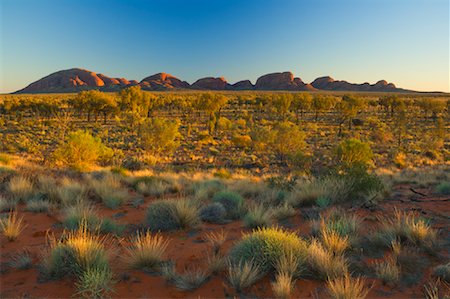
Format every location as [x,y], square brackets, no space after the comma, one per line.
[188,250]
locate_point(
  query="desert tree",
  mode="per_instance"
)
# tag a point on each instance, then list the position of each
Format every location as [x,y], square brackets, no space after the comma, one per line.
[301,103]
[321,103]
[159,135]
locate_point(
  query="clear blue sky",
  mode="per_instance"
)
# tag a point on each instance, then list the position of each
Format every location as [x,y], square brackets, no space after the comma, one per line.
[401,41]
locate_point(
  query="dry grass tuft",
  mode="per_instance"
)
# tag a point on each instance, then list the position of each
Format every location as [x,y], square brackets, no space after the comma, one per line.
[147,250]
[347,288]
[12,226]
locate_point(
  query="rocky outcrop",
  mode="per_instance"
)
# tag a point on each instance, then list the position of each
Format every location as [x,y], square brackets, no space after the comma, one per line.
[75,80]
[211,83]
[242,85]
[328,83]
[163,81]
[281,81]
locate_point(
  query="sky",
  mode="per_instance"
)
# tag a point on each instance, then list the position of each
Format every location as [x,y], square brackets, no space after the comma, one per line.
[402,41]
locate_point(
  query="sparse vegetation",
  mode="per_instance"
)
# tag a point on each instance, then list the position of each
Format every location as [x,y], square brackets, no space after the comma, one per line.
[12,226]
[243,274]
[347,288]
[147,251]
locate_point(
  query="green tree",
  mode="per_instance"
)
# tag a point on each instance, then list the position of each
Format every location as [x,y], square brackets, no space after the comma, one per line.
[301,102]
[321,103]
[159,135]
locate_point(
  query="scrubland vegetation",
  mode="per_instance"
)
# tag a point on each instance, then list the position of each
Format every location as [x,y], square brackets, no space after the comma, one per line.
[246,194]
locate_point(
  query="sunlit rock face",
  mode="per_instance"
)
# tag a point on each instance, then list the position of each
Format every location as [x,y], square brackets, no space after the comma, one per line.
[163,81]
[281,81]
[74,80]
[210,83]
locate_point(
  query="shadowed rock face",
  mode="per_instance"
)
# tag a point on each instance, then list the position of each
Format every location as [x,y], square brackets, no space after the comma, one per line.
[163,81]
[75,80]
[211,83]
[242,85]
[281,81]
[328,83]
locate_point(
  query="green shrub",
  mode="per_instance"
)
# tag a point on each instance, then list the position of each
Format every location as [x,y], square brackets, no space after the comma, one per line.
[160,216]
[167,215]
[81,151]
[352,152]
[5,159]
[95,283]
[38,206]
[258,216]
[265,246]
[443,272]
[243,274]
[158,135]
[443,188]
[110,190]
[204,190]
[20,188]
[231,201]
[213,213]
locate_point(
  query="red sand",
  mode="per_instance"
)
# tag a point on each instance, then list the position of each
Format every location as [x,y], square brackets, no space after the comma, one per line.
[187,249]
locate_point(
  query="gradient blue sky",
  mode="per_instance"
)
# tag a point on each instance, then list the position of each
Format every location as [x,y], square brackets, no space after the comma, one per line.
[401,41]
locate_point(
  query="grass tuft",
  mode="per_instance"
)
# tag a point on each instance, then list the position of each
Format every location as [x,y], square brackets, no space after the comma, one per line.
[347,288]
[243,274]
[12,226]
[147,251]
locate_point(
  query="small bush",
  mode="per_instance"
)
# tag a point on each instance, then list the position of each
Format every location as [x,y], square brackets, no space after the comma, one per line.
[7,205]
[290,264]
[406,227]
[323,263]
[12,226]
[191,279]
[206,189]
[338,224]
[22,260]
[443,188]
[265,246]
[353,152]
[258,216]
[147,251]
[186,213]
[20,188]
[109,189]
[231,201]
[38,206]
[159,135]
[283,285]
[216,239]
[160,216]
[75,253]
[388,271]
[71,192]
[443,272]
[95,283]
[347,288]
[5,159]
[213,213]
[243,274]
[151,186]
[166,215]
[78,215]
[81,151]
[334,242]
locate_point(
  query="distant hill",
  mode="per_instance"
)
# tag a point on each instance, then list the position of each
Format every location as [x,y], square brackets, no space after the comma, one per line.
[75,80]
